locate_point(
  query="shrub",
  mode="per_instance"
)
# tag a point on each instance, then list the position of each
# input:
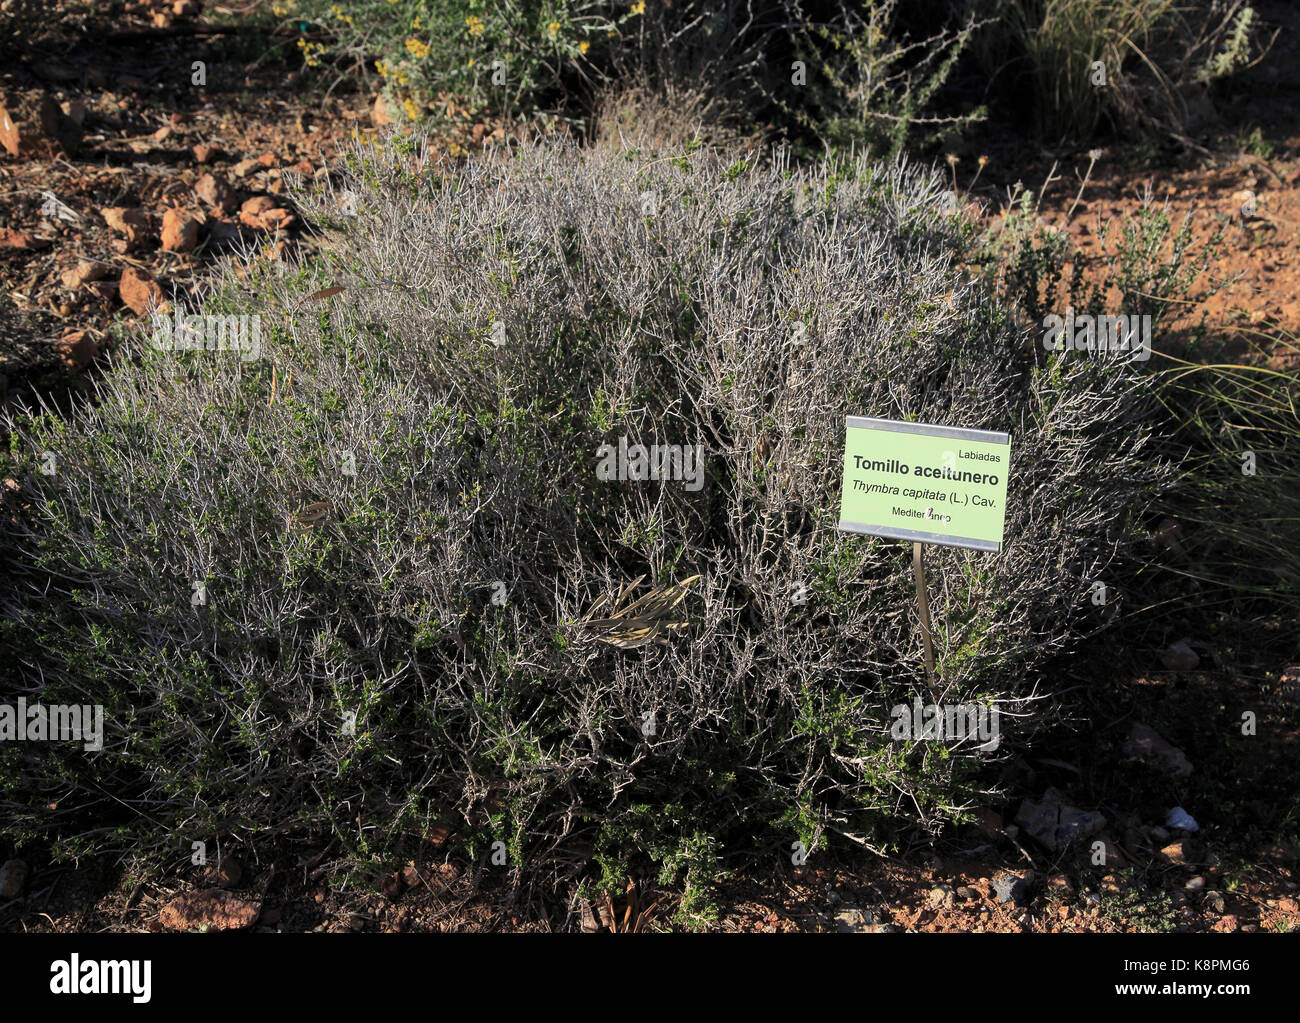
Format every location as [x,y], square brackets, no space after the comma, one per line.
[519,57]
[868,82]
[397,516]
[1234,533]
[1153,55]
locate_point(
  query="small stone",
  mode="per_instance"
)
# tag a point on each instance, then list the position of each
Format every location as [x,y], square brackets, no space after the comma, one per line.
[1145,743]
[1180,657]
[128,221]
[1053,824]
[942,898]
[246,167]
[277,219]
[215,192]
[967,893]
[1195,884]
[180,230]
[1176,853]
[204,153]
[210,910]
[76,349]
[11,239]
[13,879]
[854,920]
[75,111]
[1214,902]
[251,212]
[58,127]
[1011,888]
[1227,924]
[10,137]
[1182,820]
[140,292]
[85,271]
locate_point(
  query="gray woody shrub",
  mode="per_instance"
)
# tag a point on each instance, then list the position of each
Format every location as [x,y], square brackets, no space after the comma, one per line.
[406,524]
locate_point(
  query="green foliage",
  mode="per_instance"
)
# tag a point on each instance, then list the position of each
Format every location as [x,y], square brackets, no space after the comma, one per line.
[865,85]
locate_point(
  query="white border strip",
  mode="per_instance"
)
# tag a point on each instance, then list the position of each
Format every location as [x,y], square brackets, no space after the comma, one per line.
[927,430]
[941,539]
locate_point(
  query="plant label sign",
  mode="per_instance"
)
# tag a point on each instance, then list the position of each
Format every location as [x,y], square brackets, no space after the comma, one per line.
[927,484]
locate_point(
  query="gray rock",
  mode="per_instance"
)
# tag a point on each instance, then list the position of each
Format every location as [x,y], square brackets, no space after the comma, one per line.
[1180,657]
[967,893]
[1053,824]
[1145,743]
[1182,820]
[855,920]
[1013,889]
[13,879]
[1195,884]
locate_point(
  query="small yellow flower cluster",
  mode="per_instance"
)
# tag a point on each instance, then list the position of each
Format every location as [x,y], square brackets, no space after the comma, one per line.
[311,52]
[337,11]
[412,111]
[397,76]
[415,46]
[553,28]
[639,8]
[584,46]
[475,25]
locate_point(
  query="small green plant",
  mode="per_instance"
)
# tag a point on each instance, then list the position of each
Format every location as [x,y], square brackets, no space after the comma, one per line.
[1139,907]
[861,84]
[1254,143]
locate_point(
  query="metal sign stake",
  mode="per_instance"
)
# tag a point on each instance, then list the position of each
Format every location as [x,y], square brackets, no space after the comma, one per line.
[923,607]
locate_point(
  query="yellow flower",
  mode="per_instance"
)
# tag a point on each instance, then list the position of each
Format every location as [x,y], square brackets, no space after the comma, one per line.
[412,111]
[382,68]
[475,25]
[553,28]
[639,8]
[584,46]
[418,48]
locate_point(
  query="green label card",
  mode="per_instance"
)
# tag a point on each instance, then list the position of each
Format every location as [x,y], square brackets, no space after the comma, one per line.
[935,484]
